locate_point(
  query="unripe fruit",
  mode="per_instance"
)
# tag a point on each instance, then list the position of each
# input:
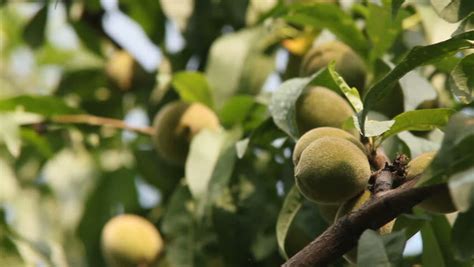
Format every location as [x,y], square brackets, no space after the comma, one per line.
[348,64]
[319,107]
[441,203]
[130,241]
[317,133]
[332,170]
[176,124]
[353,205]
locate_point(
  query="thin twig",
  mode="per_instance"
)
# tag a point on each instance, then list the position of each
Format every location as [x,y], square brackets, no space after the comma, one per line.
[101,121]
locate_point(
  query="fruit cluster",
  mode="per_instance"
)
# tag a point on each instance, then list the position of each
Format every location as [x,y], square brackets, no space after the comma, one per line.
[332,166]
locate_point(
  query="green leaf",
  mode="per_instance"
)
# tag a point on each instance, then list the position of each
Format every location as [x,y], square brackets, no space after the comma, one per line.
[437,246]
[373,127]
[419,120]
[209,166]
[410,223]
[334,19]
[178,226]
[394,244]
[237,63]
[236,110]
[351,93]
[44,105]
[10,253]
[10,129]
[291,206]
[382,29]
[462,79]
[193,87]
[282,106]
[417,56]
[456,153]
[461,188]
[463,235]
[34,32]
[453,10]
[371,250]
[89,36]
[204,154]
[37,141]
[396,4]
[432,251]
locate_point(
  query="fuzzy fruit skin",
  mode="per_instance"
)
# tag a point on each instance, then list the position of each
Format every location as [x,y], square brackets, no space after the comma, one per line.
[176,124]
[320,132]
[130,240]
[353,205]
[348,64]
[321,107]
[332,170]
[441,203]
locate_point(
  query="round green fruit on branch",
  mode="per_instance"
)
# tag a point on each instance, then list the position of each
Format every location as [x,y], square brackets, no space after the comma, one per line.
[321,107]
[441,203]
[176,124]
[332,170]
[130,241]
[348,64]
[353,205]
[318,133]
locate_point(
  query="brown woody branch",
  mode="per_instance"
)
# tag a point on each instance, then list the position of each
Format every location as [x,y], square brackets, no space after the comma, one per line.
[343,235]
[100,121]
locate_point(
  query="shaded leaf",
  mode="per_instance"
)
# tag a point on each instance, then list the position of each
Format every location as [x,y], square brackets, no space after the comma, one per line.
[396,4]
[178,226]
[382,28]
[237,63]
[394,245]
[462,79]
[90,37]
[282,106]
[291,206]
[410,223]
[463,235]
[34,32]
[466,25]
[417,56]
[193,87]
[371,250]
[437,248]
[456,153]
[331,17]
[461,188]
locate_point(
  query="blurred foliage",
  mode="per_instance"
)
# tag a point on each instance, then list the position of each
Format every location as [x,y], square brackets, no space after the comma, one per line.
[237,205]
